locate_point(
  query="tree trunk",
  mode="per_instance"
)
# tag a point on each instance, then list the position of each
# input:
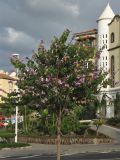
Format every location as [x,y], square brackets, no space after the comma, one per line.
[97,127]
[25,120]
[58,134]
[53,120]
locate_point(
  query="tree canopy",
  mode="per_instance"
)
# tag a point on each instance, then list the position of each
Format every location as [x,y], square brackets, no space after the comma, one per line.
[60,78]
[63,76]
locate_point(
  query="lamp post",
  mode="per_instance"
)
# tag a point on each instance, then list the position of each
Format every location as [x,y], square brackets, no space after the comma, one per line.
[16,109]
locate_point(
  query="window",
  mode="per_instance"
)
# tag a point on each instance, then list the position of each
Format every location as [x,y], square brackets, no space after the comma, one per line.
[112,37]
[106,35]
[103,35]
[10,86]
[103,58]
[106,57]
[113,70]
[106,41]
[106,63]
[85,64]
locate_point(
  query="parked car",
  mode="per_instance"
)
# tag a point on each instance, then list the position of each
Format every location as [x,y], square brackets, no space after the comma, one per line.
[3,122]
[1,125]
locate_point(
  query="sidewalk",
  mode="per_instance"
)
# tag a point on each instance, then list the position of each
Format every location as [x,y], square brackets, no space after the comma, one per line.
[39,149]
[109,131]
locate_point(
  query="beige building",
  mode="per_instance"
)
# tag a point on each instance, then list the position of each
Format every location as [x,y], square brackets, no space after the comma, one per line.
[114,50]
[7,83]
[90,36]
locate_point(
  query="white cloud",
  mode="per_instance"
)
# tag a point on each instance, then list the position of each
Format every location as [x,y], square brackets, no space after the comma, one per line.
[13,35]
[16,40]
[74,9]
[53,6]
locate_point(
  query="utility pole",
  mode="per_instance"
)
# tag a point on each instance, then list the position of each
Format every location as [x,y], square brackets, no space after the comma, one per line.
[16,109]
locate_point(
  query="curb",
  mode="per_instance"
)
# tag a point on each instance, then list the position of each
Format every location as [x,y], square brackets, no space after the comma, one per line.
[5,149]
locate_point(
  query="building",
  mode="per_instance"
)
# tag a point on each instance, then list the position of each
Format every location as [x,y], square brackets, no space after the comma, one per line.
[107,39]
[109,42]
[114,50]
[114,58]
[103,37]
[7,83]
[89,36]
[104,61]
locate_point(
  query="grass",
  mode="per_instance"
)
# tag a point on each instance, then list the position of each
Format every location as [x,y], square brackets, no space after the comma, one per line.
[12,145]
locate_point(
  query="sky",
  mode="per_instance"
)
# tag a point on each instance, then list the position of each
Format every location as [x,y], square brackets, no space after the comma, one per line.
[24,23]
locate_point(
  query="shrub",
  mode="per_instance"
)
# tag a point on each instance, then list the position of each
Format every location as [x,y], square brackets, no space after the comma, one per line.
[85,123]
[12,145]
[81,128]
[114,121]
[98,122]
[6,136]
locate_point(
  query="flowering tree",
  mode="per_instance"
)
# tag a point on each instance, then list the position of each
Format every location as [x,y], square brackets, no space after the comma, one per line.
[60,78]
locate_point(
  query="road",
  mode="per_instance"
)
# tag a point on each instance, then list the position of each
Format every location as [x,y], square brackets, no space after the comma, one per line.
[85,156]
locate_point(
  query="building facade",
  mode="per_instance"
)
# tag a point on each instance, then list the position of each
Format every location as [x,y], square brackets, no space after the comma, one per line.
[114,50]
[104,61]
[103,37]
[109,43]
[89,36]
[107,39]
[7,83]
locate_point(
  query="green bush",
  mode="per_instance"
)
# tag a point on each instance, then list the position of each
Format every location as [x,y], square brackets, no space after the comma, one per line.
[69,124]
[51,130]
[85,123]
[12,145]
[6,136]
[98,122]
[81,128]
[114,121]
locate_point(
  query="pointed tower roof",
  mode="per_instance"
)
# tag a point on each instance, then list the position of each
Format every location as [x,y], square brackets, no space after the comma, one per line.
[107,13]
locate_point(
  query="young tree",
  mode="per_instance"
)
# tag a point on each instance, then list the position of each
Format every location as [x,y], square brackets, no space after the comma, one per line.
[60,78]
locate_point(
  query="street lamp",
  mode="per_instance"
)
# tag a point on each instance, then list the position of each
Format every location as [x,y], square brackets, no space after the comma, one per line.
[16,109]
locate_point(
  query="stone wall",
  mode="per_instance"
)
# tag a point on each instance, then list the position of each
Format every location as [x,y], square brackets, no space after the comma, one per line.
[64,140]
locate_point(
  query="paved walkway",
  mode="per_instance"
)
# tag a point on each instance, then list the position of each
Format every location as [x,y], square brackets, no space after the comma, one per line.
[110,131]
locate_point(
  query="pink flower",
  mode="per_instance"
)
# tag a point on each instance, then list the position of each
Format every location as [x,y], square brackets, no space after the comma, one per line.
[41,79]
[66,85]
[75,62]
[59,81]
[77,84]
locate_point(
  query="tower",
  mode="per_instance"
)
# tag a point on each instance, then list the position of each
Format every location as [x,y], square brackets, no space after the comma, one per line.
[103,63]
[103,37]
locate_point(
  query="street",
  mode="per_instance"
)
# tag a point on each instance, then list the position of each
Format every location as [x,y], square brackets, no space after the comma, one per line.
[85,156]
